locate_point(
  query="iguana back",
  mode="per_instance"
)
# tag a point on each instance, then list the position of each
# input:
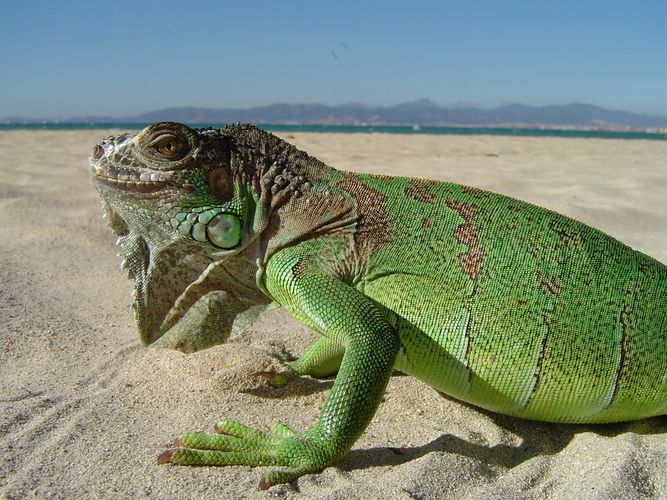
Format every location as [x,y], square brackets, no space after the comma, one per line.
[513,307]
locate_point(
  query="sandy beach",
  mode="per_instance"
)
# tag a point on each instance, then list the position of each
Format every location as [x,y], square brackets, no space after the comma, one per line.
[85,409]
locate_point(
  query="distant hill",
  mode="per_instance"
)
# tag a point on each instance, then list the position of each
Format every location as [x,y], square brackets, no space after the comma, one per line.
[422,112]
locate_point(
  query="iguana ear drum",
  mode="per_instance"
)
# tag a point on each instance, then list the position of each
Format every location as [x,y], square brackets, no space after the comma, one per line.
[220,183]
[224,231]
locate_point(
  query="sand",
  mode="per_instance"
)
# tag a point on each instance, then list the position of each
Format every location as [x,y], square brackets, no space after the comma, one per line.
[85,409]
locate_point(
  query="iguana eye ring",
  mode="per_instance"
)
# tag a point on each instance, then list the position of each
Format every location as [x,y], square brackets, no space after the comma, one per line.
[163,144]
[170,147]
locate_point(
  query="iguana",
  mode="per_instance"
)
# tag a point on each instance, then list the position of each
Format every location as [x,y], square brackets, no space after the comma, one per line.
[497,302]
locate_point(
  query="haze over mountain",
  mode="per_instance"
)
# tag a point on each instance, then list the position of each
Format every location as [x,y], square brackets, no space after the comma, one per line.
[423,112]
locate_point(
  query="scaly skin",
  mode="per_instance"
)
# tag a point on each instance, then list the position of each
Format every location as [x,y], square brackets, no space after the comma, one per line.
[497,302]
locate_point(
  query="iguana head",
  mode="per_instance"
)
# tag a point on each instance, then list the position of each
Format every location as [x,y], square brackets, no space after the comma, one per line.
[183,215]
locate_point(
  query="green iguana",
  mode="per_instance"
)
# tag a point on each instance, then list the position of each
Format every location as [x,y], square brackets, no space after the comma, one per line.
[494,301]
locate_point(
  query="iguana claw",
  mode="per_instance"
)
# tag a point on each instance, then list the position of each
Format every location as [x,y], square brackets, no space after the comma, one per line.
[165,456]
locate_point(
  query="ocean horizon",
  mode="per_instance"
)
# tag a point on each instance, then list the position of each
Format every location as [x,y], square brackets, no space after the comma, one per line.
[379,129]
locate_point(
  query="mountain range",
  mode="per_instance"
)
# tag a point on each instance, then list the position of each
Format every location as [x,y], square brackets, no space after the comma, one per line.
[422,112]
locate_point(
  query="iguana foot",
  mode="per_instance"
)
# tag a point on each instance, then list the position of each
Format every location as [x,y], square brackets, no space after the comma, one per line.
[275,379]
[294,369]
[300,453]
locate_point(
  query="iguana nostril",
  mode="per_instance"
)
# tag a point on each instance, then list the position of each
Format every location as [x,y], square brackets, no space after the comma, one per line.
[98,152]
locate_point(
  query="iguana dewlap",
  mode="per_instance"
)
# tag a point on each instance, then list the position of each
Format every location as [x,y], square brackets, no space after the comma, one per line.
[494,301]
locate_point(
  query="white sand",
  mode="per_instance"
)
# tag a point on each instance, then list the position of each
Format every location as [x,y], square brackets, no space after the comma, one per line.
[85,410]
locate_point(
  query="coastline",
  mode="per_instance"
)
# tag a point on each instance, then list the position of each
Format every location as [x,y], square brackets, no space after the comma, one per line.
[626,133]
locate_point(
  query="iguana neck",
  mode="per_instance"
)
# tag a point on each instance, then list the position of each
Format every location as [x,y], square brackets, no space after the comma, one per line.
[274,169]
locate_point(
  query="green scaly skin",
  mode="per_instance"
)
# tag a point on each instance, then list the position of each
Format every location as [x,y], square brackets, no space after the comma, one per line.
[497,302]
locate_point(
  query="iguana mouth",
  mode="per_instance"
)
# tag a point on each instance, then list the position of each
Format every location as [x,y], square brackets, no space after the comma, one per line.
[129,180]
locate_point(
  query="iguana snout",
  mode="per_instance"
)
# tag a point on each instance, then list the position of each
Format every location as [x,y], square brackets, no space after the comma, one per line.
[156,159]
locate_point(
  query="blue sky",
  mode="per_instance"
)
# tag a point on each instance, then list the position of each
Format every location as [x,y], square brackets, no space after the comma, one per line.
[122,57]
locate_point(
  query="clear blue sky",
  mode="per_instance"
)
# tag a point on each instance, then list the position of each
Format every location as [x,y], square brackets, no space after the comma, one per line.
[121,57]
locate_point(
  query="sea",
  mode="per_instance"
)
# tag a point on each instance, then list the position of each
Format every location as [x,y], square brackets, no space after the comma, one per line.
[379,129]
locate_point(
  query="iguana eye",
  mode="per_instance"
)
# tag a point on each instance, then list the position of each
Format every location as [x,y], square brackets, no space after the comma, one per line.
[171,147]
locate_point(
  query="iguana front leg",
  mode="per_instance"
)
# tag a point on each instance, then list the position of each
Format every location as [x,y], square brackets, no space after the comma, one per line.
[322,359]
[346,318]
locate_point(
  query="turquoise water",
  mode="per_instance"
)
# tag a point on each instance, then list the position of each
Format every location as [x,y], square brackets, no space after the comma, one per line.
[385,129]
